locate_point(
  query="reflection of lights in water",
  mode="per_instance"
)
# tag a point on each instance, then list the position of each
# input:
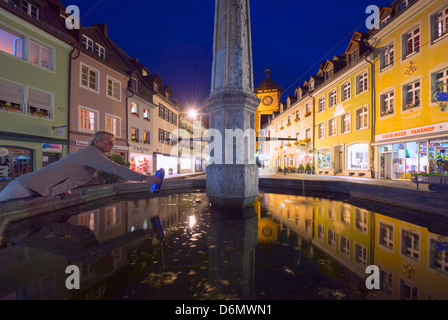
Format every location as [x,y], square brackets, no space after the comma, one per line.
[145,225]
[191,221]
[132,228]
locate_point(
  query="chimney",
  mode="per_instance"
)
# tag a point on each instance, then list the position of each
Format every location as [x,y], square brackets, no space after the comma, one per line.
[103,28]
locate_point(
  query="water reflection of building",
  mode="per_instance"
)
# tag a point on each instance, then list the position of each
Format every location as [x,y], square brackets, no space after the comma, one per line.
[410,266]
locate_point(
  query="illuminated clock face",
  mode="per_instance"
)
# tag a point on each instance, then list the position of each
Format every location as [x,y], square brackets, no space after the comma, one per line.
[268,100]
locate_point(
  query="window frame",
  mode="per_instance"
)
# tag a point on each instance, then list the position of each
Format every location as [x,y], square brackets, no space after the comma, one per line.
[97,78]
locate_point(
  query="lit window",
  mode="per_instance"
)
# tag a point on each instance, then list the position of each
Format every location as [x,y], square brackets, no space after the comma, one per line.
[321,130]
[134,108]
[113,89]
[89,78]
[346,123]
[332,127]
[113,125]
[440,24]
[358,159]
[88,119]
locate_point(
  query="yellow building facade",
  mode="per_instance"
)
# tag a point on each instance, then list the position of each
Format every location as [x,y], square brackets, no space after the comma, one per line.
[411,76]
[343,113]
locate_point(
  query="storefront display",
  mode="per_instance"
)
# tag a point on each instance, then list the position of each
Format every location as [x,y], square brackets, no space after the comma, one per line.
[438,156]
[358,156]
[141,163]
[324,159]
[14,162]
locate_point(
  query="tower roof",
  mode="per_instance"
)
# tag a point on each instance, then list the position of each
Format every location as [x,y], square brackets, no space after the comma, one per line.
[268,83]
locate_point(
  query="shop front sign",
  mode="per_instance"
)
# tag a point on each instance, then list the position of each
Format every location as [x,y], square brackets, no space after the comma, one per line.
[415,132]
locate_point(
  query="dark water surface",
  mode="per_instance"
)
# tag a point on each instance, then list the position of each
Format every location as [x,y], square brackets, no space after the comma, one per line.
[285,247]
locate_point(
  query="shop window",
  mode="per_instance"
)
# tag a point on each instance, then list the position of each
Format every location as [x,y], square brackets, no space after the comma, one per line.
[399,160]
[324,159]
[14,162]
[438,157]
[358,156]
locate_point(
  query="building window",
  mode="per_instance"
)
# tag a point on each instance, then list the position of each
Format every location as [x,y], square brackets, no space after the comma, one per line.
[113,125]
[408,291]
[361,254]
[333,98]
[410,244]
[361,82]
[387,103]
[88,119]
[346,123]
[346,91]
[345,246]
[311,85]
[387,57]
[358,156]
[133,84]
[113,89]
[134,109]
[30,9]
[331,238]
[307,109]
[161,136]
[40,103]
[40,55]
[146,114]
[384,22]
[353,57]
[11,42]
[411,41]
[100,51]
[386,236]
[321,130]
[89,78]
[362,118]
[412,94]
[332,127]
[146,137]
[440,24]
[404,4]
[439,82]
[87,43]
[308,134]
[321,104]
[11,97]
[438,260]
[329,74]
[135,137]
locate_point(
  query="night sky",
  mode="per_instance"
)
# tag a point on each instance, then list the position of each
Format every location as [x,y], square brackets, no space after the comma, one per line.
[174,38]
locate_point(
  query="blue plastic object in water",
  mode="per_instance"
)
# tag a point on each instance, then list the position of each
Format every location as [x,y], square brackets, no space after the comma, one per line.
[157,186]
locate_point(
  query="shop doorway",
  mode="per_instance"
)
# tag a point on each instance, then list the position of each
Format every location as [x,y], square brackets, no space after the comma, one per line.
[49,158]
[386,165]
[338,159]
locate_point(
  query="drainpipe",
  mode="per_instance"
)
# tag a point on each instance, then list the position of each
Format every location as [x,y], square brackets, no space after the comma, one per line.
[373,102]
[75,47]
[314,133]
[127,123]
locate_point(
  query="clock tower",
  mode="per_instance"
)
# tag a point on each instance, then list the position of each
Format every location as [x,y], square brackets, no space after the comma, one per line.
[269,92]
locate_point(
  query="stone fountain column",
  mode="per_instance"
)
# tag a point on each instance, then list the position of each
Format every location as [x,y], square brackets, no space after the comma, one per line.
[232,177]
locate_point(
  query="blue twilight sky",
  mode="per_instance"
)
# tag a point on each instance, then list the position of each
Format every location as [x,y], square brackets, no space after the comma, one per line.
[174,38]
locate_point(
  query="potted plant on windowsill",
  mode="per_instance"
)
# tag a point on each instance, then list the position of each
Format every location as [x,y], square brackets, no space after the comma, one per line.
[40,114]
[10,106]
[307,114]
[301,168]
[296,119]
[135,140]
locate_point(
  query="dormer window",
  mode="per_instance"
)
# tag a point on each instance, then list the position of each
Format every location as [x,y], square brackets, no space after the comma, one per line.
[87,43]
[167,95]
[353,57]
[30,9]
[156,88]
[385,21]
[299,94]
[404,5]
[329,74]
[311,85]
[100,51]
